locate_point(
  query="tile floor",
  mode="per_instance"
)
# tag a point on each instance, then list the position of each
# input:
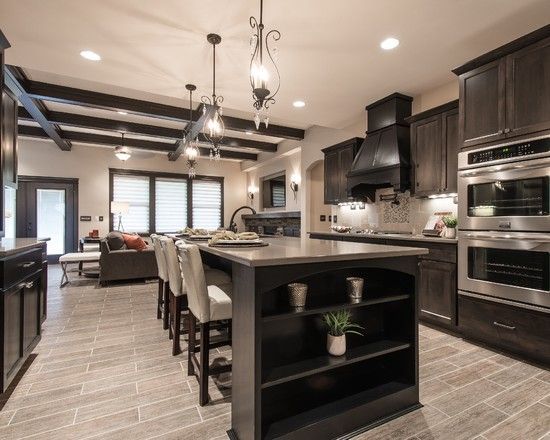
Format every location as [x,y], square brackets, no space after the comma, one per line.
[103,370]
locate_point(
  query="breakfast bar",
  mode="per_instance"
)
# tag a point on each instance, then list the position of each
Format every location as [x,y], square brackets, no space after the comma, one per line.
[285,384]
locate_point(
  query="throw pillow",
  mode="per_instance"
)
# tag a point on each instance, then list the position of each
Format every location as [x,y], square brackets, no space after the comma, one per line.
[134,242]
[115,240]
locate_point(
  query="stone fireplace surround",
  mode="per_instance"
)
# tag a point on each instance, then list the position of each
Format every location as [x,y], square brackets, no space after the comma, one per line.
[272,223]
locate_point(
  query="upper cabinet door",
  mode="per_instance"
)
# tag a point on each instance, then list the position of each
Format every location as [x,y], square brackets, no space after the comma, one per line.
[427,158]
[332,181]
[482,104]
[347,155]
[450,150]
[528,89]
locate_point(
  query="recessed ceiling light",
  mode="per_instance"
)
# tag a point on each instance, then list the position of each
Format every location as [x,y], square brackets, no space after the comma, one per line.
[389,43]
[249,133]
[299,104]
[90,55]
[121,113]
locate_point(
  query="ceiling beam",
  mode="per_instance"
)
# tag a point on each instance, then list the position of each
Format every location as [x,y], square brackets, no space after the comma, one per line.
[15,81]
[88,98]
[100,139]
[96,123]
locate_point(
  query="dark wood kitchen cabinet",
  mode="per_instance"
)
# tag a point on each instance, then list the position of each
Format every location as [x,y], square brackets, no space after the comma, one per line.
[4,44]
[506,92]
[437,291]
[434,150]
[8,138]
[338,161]
[22,293]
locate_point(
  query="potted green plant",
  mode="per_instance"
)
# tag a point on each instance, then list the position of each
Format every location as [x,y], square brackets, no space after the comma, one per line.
[450,226]
[339,324]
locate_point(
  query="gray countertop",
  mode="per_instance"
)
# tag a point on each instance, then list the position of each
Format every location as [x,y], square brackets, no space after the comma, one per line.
[290,250]
[9,246]
[396,236]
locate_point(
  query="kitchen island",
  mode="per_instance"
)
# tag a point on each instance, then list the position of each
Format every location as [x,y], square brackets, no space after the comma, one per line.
[284,383]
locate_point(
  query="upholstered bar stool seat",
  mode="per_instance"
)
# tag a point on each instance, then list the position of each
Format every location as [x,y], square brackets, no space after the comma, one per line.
[207,303]
[164,289]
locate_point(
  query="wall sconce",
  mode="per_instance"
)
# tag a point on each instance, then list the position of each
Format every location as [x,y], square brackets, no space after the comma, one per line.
[294,180]
[251,191]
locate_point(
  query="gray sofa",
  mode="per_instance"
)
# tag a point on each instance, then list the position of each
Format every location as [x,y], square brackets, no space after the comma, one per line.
[117,262]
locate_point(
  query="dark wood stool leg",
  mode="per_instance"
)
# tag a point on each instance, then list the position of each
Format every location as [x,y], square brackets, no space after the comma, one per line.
[160,296]
[192,326]
[176,348]
[171,304]
[166,305]
[204,363]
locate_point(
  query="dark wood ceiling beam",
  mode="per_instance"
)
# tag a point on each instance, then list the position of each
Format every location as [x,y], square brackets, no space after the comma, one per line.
[96,123]
[15,81]
[87,98]
[99,139]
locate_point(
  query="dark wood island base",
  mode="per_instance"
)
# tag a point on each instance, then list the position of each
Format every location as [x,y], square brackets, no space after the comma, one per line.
[285,384]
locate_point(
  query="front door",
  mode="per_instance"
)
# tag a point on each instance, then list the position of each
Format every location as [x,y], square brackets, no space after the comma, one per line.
[47,208]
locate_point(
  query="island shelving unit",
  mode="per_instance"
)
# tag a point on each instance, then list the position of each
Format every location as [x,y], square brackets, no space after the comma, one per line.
[285,384]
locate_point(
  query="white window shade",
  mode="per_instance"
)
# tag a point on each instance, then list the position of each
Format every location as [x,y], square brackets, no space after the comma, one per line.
[207,204]
[170,205]
[133,190]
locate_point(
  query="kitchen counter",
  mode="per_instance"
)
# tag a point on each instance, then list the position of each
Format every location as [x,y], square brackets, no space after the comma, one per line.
[285,384]
[10,246]
[291,250]
[392,236]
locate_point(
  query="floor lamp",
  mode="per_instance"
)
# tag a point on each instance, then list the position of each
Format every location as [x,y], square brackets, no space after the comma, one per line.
[119,209]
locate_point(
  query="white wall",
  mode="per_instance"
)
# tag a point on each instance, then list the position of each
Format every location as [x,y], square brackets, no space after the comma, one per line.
[90,164]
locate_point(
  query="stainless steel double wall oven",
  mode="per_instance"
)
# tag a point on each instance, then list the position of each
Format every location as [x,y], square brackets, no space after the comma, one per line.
[504,222]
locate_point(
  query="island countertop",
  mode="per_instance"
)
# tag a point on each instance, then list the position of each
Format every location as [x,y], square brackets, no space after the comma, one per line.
[291,250]
[9,246]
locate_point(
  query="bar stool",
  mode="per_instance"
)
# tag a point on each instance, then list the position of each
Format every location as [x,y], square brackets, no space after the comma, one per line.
[163,300]
[207,303]
[178,297]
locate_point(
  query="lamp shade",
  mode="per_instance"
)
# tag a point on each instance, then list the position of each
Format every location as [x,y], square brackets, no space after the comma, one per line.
[120,207]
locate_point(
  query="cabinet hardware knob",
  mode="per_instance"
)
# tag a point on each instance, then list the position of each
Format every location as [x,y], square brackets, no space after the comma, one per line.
[29,264]
[507,327]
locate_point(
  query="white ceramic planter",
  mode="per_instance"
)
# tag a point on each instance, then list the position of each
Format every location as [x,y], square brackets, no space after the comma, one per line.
[450,232]
[336,345]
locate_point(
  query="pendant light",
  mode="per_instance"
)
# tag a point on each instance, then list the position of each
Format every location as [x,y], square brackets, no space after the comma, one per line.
[191,145]
[121,152]
[264,74]
[214,127]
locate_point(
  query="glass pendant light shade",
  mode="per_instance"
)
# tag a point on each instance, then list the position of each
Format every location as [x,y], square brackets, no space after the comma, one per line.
[121,152]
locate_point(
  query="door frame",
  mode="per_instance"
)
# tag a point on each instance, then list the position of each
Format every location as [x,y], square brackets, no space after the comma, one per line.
[73,233]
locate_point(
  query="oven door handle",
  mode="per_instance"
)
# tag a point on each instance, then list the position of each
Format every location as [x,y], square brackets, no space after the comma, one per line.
[480,171]
[509,237]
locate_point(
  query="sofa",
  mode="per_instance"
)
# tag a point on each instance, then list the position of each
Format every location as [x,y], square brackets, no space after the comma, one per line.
[117,262]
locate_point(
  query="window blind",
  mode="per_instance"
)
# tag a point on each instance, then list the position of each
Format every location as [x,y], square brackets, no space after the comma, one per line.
[278,194]
[170,204]
[207,204]
[135,191]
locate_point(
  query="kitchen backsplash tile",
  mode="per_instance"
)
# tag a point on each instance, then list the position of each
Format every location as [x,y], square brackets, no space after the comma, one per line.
[410,215]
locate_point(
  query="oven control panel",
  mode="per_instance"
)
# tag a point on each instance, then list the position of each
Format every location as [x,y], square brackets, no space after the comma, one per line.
[510,151]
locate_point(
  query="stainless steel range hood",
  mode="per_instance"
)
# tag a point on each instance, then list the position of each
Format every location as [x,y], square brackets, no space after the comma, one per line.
[384,158]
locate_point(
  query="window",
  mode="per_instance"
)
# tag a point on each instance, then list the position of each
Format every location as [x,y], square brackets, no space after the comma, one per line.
[207,204]
[133,190]
[170,204]
[166,202]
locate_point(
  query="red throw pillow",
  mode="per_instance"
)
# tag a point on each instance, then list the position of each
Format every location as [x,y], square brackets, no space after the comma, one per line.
[134,242]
